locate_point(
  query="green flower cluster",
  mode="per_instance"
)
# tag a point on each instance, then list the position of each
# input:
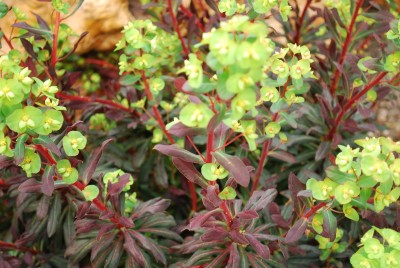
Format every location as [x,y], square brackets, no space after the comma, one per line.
[378,253]
[147,48]
[243,58]
[361,174]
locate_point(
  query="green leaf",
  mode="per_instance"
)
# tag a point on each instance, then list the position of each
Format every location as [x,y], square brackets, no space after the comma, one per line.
[19,150]
[329,224]
[129,79]
[338,176]
[90,192]
[350,212]
[3,10]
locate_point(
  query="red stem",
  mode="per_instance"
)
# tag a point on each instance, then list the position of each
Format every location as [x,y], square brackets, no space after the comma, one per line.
[227,213]
[176,27]
[98,100]
[314,209]
[300,24]
[8,41]
[102,63]
[345,47]
[209,148]
[55,39]
[351,102]
[13,246]
[45,153]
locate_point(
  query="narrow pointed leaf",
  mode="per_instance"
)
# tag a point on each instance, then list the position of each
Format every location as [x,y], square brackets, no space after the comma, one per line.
[237,169]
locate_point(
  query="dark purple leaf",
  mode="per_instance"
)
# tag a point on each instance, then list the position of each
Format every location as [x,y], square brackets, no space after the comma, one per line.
[48,181]
[54,215]
[280,221]
[93,161]
[28,48]
[260,199]
[190,172]
[180,130]
[296,231]
[235,166]
[261,249]
[214,234]
[132,248]
[113,258]
[151,207]
[234,257]
[35,31]
[212,196]
[329,224]
[175,151]
[102,244]
[219,260]
[162,232]
[215,121]
[20,147]
[43,207]
[247,215]
[323,150]
[105,215]
[30,186]
[202,255]
[41,22]
[295,186]
[126,222]
[5,161]
[83,209]
[150,245]
[105,230]
[48,143]
[284,156]
[116,188]
[198,220]
[238,237]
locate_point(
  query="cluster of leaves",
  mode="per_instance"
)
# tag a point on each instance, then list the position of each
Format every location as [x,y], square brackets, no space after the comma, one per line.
[229,97]
[378,253]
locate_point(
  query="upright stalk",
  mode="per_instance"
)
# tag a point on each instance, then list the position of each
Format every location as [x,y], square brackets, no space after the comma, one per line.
[301,21]
[55,39]
[176,27]
[345,48]
[349,104]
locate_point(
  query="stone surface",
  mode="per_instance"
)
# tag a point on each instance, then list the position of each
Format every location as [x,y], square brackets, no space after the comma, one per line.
[103,19]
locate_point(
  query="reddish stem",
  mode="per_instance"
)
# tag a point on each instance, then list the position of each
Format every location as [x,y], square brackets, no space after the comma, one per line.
[45,153]
[227,213]
[314,209]
[8,41]
[300,24]
[351,102]
[176,27]
[345,47]
[98,100]
[264,154]
[55,39]
[209,149]
[13,246]
[102,63]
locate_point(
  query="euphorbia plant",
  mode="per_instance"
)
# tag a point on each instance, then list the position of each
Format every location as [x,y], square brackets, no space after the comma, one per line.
[250,117]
